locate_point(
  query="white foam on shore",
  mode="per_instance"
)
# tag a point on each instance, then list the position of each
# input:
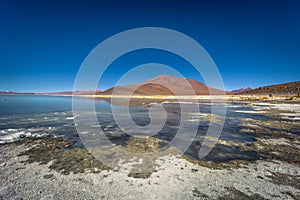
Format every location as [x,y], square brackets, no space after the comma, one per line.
[284,107]
[199,114]
[290,114]
[84,132]
[12,129]
[289,107]
[189,102]
[291,118]
[234,106]
[292,110]
[73,117]
[12,135]
[250,111]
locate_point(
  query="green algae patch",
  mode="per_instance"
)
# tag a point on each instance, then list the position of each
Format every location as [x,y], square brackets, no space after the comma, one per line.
[144,145]
[140,175]
[233,193]
[54,151]
[285,179]
[59,156]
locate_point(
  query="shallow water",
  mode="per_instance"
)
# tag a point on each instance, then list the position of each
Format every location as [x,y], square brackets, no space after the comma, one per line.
[46,116]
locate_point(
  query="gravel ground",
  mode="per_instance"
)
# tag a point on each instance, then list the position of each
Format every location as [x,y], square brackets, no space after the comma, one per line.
[175,178]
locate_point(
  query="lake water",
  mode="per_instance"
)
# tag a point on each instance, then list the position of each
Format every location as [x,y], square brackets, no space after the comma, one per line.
[48,116]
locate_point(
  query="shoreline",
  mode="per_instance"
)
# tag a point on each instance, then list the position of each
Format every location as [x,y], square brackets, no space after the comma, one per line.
[187,97]
[194,98]
[227,97]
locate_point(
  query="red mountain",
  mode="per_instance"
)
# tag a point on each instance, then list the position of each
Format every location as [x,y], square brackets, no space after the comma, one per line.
[164,85]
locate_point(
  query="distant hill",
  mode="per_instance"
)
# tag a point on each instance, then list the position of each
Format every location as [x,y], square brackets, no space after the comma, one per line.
[10,92]
[292,88]
[70,93]
[244,89]
[162,85]
[168,85]
[63,93]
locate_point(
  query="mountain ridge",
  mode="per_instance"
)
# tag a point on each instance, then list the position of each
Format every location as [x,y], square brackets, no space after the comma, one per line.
[243,89]
[290,88]
[164,85]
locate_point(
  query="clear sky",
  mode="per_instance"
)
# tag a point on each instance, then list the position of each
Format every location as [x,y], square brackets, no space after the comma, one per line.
[43,43]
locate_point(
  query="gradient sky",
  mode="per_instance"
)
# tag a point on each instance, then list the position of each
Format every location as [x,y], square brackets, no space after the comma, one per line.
[43,43]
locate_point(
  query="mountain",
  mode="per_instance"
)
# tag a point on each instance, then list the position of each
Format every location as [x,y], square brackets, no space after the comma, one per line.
[70,93]
[165,85]
[244,89]
[10,92]
[63,93]
[291,88]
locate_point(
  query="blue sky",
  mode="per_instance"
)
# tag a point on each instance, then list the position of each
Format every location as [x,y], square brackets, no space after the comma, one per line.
[43,43]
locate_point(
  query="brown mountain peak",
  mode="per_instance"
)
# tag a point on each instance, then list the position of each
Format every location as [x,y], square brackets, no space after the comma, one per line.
[163,84]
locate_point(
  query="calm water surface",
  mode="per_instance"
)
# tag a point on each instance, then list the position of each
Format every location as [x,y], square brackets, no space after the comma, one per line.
[28,115]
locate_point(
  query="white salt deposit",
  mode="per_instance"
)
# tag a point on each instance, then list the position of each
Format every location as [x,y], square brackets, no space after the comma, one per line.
[12,137]
[250,111]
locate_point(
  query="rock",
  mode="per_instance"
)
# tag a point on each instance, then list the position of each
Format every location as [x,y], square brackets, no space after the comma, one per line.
[140,175]
[48,176]
[3,164]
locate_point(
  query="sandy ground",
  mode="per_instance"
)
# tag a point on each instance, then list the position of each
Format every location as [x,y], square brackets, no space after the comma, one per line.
[176,178]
